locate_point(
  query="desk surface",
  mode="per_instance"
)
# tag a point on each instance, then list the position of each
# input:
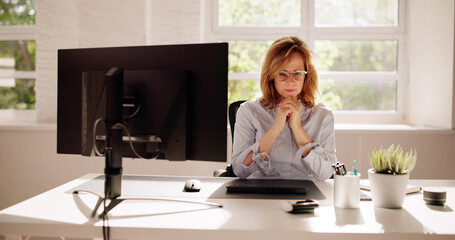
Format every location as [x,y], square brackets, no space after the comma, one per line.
[56,213]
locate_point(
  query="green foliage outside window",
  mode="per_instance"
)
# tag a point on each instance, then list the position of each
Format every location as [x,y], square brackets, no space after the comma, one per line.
[355,13]
[367,56]
[364,95]
[357,56]
[243,90]
[17,12]
[245,56]
[238,13]
[22,94]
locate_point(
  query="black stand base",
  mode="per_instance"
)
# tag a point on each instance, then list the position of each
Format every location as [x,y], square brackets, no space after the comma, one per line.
[112,204]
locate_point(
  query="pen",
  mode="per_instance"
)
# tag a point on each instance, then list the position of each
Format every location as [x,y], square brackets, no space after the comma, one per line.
[354,168]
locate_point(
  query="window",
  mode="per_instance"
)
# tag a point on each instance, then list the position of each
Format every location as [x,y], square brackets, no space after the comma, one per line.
[17,57]
[359,47]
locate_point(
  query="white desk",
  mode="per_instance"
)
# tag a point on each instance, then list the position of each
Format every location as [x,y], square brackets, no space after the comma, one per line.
[56,213]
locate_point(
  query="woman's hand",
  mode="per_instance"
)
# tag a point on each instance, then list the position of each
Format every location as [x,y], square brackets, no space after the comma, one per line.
[294,109]
[282,117]
[267,141]
[289,110]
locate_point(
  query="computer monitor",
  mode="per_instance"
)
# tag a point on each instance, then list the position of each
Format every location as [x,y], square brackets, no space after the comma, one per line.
[172,99]
[153,107]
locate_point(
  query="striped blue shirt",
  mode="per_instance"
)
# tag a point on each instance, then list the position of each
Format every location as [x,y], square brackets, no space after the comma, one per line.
[285,158]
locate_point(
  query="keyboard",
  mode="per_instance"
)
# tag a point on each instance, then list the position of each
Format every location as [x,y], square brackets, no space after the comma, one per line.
[270,186]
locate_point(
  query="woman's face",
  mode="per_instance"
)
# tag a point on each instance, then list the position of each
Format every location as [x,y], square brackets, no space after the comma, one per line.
[290,86]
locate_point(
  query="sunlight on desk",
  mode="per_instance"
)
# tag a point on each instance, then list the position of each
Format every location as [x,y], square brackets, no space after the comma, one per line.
[56,213]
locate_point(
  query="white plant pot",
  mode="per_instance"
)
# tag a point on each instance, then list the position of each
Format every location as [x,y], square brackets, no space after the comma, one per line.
[388,190]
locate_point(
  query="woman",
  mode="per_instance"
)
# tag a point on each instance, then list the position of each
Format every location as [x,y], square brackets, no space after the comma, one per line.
[285,133]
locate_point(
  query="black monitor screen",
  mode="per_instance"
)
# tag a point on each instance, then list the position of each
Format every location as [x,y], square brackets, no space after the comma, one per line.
[174,100]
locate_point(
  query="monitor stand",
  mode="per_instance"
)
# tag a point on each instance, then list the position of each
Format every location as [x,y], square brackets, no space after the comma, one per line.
[113,176]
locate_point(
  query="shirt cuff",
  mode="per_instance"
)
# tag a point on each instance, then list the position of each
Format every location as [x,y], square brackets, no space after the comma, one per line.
[318,163]
[308,145]
[257,159]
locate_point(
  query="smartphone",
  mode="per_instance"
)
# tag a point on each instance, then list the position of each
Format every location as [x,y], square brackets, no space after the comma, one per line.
[301,206]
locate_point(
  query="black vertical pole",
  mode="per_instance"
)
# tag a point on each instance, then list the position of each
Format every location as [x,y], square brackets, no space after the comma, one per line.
[114,115]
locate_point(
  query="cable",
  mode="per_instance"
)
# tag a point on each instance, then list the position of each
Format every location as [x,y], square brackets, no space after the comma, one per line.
[106,229]
[131,142]
[135,112]
[97,152]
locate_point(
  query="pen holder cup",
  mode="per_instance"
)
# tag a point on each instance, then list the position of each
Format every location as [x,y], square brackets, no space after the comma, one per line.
[346,191]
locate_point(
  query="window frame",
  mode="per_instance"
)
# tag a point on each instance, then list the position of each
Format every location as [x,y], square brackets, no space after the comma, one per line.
[18,33]
[310,33]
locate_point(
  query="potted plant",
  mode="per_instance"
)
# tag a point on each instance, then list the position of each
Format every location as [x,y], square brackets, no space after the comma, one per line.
[390,174]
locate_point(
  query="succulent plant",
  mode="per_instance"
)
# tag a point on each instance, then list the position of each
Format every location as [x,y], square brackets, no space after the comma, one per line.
[392,161]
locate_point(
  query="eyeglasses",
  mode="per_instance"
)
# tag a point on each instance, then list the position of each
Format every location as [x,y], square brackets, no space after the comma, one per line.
[297,75]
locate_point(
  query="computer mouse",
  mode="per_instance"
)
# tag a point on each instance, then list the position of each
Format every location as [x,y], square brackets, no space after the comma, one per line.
[193,185]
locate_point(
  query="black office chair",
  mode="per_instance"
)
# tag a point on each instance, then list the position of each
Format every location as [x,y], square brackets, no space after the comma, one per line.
[233,107]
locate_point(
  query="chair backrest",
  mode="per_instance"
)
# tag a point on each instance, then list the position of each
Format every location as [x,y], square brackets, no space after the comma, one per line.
[233,107]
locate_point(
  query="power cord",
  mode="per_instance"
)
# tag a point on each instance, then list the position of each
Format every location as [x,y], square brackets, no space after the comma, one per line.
[97,152]
[131,142]
[106,229]
[116,126]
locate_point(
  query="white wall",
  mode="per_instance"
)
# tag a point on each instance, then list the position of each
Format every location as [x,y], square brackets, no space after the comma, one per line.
[431,63]
[80,24]
[28,160]
[176,21]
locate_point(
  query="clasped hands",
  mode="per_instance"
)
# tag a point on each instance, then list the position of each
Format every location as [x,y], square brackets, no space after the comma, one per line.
[289,110]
